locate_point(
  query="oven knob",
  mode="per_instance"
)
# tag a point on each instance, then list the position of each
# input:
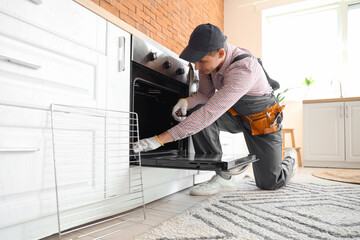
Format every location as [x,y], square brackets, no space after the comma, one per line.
[167,64]
[152,56]
[180,71]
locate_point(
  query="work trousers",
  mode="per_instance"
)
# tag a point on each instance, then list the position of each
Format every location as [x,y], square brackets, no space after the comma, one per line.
[270,171]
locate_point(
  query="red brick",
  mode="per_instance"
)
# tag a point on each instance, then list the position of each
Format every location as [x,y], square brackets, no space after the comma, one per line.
[136,17]
[163,11]
[146,4]
[155,11]
[128,19]
[149,13]
[163,21]
[139,5]
[167,32]
[143,15]
[111,2]
[128,4]
[108,7]
[122,8]
[150,28]
[156,25]
[169,22]
[142,29]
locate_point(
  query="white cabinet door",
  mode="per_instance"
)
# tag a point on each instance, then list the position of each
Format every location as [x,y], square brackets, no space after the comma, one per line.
[324,132]
[352,125]
[118,98]
[233,143]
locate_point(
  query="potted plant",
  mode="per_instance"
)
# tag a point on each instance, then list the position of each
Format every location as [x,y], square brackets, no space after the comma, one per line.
[281,95]
[308,82]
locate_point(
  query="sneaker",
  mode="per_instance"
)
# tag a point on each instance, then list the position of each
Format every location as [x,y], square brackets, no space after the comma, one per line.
[215,185]
[291,152]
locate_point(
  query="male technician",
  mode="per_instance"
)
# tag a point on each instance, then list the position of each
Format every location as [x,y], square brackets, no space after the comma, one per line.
[234,96]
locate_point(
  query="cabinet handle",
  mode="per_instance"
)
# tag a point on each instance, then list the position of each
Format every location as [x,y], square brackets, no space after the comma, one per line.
[19,150]
[121,54]
[347,113]
[38,2]
[20,62]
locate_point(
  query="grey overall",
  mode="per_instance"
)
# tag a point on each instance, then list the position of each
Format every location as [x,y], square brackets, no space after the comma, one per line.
[271,172]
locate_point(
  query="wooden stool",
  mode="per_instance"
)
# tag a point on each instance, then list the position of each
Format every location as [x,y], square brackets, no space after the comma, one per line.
[291,131]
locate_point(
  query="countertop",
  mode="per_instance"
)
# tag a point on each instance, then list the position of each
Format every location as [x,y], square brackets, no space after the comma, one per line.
[348,99]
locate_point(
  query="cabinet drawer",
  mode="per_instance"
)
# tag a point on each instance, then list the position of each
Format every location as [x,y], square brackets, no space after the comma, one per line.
[233,143]
[26,165]
[40,68]
[64,18]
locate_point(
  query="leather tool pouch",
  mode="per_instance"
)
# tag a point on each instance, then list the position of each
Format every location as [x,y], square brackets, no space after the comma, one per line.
[266,121]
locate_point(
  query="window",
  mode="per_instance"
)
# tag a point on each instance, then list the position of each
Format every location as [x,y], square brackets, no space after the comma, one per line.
[352,80]
[321,42]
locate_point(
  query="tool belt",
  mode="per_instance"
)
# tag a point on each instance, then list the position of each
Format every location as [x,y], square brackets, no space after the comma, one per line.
[263,122]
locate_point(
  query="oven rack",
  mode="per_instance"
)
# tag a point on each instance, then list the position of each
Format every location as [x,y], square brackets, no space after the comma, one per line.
[98,193]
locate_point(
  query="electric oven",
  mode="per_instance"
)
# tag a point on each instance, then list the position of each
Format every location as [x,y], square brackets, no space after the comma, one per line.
[158,79]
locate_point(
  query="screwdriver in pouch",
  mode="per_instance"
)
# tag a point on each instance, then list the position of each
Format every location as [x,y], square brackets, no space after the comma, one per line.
[275,119]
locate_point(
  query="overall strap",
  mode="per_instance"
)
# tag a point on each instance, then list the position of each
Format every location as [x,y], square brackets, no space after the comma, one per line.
[274,84]
[237,58]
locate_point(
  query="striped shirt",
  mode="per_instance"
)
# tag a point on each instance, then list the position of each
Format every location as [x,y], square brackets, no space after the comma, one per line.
[222,91]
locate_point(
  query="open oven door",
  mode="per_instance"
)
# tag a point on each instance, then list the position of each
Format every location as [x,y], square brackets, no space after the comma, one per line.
[209,162]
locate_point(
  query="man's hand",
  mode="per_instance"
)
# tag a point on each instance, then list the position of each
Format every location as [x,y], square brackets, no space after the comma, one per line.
[146,144]
[180,107]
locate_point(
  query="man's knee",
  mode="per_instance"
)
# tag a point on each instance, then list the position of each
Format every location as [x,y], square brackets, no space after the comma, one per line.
[269,184]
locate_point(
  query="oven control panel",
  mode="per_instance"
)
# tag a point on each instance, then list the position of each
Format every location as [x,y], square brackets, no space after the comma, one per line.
[159,59]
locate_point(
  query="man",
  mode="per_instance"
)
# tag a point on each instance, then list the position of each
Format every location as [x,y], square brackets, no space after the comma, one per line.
[235,96]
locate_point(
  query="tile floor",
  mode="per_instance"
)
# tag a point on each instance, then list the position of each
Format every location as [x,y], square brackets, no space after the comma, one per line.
[170,206]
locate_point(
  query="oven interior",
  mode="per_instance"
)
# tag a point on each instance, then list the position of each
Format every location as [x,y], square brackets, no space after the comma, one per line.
[153,97]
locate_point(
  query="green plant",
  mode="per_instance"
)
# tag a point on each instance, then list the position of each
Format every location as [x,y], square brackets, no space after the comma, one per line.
[281,95]
[309,81]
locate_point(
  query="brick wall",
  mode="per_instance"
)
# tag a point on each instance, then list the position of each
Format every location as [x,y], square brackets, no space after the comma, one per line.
[169,22]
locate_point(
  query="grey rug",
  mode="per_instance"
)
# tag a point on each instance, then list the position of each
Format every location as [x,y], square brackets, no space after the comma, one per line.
[298,211]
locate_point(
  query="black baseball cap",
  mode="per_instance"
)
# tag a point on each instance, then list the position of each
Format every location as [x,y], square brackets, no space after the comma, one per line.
[204,39]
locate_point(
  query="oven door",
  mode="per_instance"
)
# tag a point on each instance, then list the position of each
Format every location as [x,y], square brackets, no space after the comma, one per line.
[193,161]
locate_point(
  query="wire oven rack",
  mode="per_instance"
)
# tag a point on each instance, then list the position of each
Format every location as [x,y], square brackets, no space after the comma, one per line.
[98,192]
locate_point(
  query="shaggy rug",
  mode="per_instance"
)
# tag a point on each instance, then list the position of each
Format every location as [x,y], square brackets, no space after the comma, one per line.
[339,175]
[297,211]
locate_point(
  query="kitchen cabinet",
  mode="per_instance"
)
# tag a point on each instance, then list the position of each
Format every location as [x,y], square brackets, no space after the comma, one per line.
[232,144]
[332,133]
[62,18]
[352,131]
[46,56]
[58,52]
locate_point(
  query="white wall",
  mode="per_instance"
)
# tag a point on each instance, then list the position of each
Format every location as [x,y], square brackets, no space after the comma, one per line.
[243,27]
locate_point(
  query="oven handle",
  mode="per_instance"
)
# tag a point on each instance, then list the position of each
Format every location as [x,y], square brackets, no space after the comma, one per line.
[38,2]
[121,54]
